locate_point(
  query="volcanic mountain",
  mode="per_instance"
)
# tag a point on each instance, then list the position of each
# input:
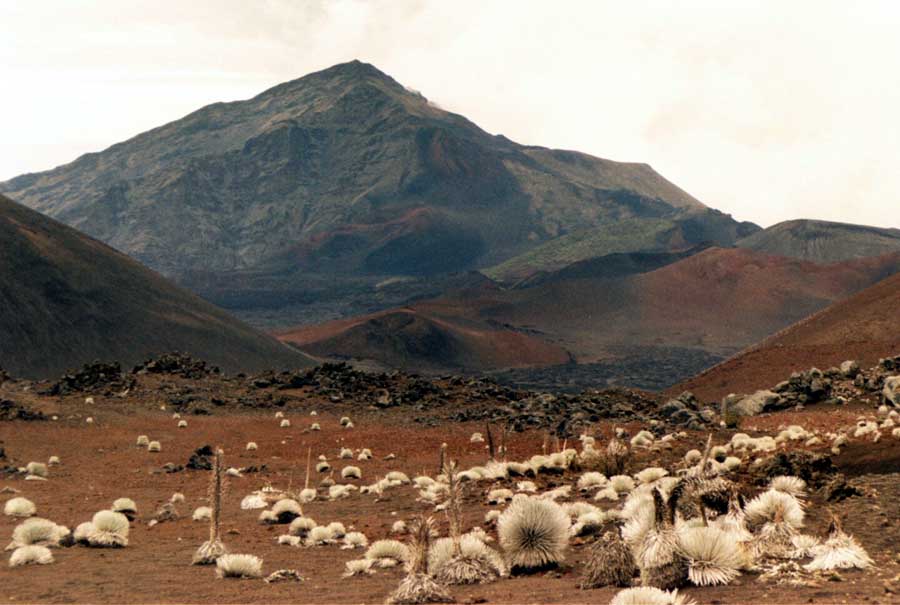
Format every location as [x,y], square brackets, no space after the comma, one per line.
[67,299]
[823,241]
[674,312]
[314,192]
[863,327]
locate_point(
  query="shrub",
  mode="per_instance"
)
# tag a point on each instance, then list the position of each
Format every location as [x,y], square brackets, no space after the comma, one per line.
[286,510]
[31,555]
[533,533]
[301,526]
[648,595]
[126,506]
[19,507]
[202,513]
[610,563]
[358,567]
[154,446]
[319,536]
[38,469]
[351,472]
[239,566]
[713,556]
[37,531]
[110,530]
[387,553]
[251,446]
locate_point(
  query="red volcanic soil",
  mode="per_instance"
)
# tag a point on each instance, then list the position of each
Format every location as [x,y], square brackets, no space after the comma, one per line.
[101,463]
[409,337]
[864,327]
[718,301]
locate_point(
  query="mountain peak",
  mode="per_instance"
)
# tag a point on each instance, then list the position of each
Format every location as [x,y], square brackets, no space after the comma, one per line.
[351,72]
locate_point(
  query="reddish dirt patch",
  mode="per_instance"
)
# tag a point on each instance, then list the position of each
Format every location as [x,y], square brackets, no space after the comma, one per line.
[413,338]
[864,327]
[100,463]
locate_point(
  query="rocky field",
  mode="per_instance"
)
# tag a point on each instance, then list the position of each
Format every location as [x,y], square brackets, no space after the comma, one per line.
[823,427]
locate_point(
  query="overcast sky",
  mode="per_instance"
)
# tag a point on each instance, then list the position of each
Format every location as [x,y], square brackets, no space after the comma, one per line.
[765,110]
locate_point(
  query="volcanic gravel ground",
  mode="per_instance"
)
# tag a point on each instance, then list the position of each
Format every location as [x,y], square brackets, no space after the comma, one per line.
[100,463]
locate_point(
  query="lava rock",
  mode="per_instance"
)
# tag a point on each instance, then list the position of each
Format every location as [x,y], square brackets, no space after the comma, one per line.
[201,459]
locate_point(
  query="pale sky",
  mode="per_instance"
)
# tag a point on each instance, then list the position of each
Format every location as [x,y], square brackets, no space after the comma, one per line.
[765,110]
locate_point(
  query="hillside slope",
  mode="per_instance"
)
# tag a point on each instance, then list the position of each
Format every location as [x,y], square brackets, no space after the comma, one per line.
[408,338]
[66,299]
[321,187]
[864,327]
[823,241]
[706,306]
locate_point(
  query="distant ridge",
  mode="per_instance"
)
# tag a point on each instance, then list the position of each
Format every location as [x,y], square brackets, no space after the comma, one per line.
[823,241]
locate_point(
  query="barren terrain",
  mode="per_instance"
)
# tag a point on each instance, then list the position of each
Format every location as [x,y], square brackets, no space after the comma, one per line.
[100,462]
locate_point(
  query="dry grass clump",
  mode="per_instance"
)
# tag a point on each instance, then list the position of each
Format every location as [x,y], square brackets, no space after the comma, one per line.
[54,461]
[474,563]
[81,533]
[649,595]
[238,566]
[126,506]
[656,545]
[320,535]
[31,555]
[388,553]
[154,446]
[591,480]
[182,424]
[358,567]
[301,526]
[771,503]
[110,530]
[251,446]
[210,551]
[793,486]
[355,539]
[351,472]
[713,556]
[610,563]
[285,423]
[286,510]
[283,575]
[143,441]
[839,551]
[418,586]
[534,533]
[37,532]
[202,513]
[19,507]
[36,469]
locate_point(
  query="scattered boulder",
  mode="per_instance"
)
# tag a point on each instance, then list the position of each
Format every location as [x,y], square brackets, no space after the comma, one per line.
[751,405]
[891,390]
[176,364]
[803,388]
[687,411]
[838,489]
[97,377]
[10,410]
[816,469]
[201,459]
[850,369]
